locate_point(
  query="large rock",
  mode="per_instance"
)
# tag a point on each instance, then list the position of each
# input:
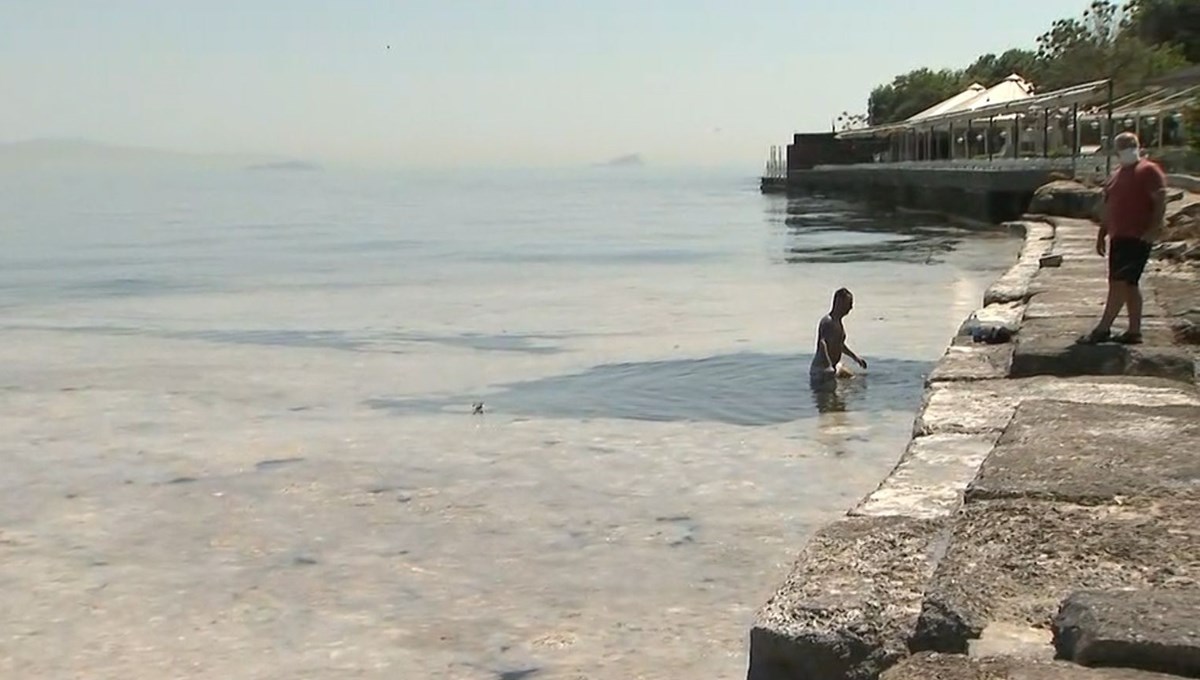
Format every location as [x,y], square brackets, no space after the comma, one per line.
[1093,453]
[850,604]
[1011,562]
[1065,198]
[933,666]
[1153,630]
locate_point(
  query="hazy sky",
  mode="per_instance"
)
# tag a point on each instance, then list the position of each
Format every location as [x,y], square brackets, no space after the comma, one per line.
[528,82]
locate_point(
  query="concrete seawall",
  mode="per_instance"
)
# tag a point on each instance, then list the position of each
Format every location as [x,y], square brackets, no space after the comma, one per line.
[1038,470]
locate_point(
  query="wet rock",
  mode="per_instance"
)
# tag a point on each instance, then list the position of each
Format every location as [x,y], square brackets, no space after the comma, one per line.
[850,604]
[1066,198]
[1011,562]
[1152,630]
[934,666]
[1092,453]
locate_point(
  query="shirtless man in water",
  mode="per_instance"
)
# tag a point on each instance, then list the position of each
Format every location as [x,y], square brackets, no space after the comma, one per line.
[831,340]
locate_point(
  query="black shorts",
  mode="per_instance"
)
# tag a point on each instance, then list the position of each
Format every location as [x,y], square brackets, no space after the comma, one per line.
[1127,259]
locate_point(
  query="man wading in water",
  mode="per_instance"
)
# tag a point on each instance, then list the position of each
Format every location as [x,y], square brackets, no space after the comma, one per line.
[831,342]
[1135,200]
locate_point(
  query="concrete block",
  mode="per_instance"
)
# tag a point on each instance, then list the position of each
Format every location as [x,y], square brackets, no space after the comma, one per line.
[1093,453]
[1153,630]
[928,481]
[850,604]
[973,361]
[1011,562]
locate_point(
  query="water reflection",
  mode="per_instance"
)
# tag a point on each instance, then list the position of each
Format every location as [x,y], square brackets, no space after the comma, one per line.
[822,230]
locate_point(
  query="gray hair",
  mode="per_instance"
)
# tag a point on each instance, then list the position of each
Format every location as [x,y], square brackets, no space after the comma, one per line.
[1127,140]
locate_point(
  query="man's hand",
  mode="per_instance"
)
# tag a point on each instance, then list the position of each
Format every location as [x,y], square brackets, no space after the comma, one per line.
[1101,244]
[861,362]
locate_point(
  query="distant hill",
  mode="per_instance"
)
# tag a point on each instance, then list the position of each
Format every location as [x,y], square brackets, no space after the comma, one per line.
[627,161]
[86,153]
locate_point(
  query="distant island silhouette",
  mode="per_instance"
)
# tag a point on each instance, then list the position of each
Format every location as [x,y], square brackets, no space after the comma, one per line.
[287,166]
[626,161]
[88,153]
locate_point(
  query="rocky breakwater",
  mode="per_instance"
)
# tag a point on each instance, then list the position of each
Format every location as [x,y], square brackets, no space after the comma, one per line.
[1045,483]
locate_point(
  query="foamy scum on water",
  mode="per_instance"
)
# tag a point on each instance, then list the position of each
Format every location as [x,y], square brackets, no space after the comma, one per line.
[238,409]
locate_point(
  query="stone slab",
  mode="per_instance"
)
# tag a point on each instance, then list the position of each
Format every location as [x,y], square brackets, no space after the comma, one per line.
[1072,294]
[1011,562]
[1013,285]
[1093,453]
[1047,347]
[973,361]
[1153,630]
[850,603]
[934,666]
[988,405]
[928,481]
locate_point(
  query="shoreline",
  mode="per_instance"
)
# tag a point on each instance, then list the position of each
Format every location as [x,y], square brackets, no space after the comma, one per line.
[906,570]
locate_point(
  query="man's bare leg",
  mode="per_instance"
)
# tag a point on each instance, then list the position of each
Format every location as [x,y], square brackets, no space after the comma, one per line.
[1118,296]
[1133,304]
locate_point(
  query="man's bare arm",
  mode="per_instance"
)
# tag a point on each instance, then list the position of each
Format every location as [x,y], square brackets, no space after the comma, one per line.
[824,349]
[850,353]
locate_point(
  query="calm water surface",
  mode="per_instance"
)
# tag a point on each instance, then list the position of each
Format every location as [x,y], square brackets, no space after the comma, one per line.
[237,409]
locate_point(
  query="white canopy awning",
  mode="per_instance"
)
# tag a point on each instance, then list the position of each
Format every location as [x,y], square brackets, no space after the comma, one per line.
[1011,97]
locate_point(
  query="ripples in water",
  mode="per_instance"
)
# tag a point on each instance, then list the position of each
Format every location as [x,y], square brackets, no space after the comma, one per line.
[748,389]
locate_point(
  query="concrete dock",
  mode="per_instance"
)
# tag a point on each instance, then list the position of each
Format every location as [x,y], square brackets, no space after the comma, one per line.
[993,191]
[1044,519]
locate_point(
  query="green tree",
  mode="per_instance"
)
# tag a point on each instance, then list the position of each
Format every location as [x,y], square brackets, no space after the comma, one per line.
[1170,22]
[911,93]
[1103,43]
[990,69]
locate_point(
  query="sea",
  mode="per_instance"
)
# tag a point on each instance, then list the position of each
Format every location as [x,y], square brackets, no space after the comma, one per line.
[477,424]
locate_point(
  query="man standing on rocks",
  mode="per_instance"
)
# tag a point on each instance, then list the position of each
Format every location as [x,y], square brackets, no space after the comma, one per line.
[1135,202]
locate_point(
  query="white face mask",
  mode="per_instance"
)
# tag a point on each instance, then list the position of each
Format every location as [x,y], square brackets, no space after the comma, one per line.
[1128,156]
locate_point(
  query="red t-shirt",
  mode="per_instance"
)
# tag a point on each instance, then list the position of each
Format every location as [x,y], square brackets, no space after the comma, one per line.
[1129,199]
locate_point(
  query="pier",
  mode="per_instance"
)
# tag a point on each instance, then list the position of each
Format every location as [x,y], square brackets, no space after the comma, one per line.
[983,152]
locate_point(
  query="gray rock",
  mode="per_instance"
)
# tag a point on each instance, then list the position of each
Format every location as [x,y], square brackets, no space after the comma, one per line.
[934,666]
[1171,250]
[1011,562]
[1186,330]
[850,604]
[1151,630]
[1065,198]
[1092,453]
